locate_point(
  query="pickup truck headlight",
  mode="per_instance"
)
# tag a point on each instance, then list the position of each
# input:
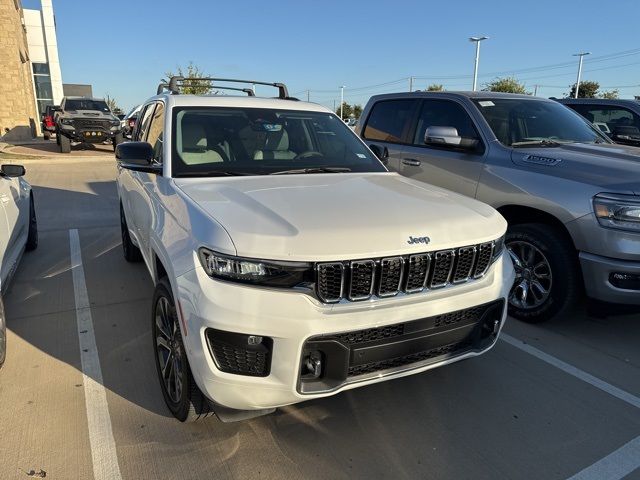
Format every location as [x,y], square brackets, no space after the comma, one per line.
[114,123]
[66,121]
[621,212]
[255,271]
[498,248]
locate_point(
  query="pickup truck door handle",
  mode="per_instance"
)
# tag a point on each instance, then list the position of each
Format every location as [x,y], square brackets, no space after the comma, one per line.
[411,162]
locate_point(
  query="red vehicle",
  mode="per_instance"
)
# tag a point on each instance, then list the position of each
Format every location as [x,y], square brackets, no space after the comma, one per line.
[48,122]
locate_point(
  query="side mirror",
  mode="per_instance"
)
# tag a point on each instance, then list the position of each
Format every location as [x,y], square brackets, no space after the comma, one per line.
[381,152]
[137,156]
[12,171]
[448,136]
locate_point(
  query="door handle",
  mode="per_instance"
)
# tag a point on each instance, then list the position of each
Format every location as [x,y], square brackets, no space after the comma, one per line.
[412,162]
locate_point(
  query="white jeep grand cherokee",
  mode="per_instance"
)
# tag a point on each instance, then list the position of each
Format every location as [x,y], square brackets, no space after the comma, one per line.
[289,264]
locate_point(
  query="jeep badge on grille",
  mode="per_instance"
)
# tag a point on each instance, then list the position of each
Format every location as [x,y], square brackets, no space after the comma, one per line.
[416,240]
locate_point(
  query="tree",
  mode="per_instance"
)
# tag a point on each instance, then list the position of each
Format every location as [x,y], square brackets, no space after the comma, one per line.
[435,87]
[112,104]
[588,89]
[348,110]
[196,87]
[610,95]
[507,85]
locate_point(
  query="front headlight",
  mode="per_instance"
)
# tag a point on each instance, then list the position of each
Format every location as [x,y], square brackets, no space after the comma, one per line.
[255,271]
[618,211]
[66,121]
[498,248]
[114,123]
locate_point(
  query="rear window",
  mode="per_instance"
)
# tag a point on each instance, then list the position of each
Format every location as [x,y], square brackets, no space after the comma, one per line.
[389,120]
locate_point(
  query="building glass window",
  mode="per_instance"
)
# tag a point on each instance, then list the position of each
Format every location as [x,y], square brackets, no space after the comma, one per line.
[42,82]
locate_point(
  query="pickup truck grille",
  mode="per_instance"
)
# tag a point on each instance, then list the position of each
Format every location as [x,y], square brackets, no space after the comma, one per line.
[91,123]
[386,277]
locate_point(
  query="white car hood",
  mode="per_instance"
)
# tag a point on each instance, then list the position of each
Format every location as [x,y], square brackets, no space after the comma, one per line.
[320,217]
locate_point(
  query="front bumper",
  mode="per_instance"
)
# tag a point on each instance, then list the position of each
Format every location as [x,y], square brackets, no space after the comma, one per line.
[597,272]
[88,134]
[294,322]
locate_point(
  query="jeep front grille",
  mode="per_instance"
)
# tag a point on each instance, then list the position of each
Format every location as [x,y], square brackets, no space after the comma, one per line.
[385,277]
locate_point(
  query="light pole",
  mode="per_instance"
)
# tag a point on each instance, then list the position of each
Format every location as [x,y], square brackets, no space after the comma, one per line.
[477,41]
[341,101]
[581,55]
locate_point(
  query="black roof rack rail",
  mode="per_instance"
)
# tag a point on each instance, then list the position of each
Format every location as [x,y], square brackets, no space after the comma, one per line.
[176,82]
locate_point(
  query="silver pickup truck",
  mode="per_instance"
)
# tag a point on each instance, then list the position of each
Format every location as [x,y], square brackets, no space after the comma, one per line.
[571,197]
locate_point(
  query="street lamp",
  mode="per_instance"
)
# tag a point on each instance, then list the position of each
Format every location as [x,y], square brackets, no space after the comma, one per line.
[477,41]
[581,55]
[341,101]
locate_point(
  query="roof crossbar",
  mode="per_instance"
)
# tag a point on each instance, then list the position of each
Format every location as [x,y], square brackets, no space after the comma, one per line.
[176,82]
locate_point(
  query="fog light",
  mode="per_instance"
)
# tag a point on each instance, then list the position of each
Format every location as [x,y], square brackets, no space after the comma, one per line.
[312,365]
[627,281]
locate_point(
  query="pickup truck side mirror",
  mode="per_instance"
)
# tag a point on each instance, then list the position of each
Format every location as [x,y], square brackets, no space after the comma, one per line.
[448,136]
[12,171]
[137,156]
[381,152]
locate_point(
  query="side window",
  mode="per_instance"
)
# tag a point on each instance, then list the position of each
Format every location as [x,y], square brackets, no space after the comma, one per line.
[155,129]
[143,125]
[444,113]
[389,120]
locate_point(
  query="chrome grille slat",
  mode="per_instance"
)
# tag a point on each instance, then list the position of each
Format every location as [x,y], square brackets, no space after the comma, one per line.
[442,268]
[483,259]
[363,279]
[418,272]
[391,272]
[363,273]
[465,259]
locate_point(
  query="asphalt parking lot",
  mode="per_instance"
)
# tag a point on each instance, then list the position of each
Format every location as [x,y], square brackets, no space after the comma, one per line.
[548,402]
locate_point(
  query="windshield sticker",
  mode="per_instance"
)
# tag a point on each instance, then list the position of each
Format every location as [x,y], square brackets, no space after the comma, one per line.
[486,103]
[361,155]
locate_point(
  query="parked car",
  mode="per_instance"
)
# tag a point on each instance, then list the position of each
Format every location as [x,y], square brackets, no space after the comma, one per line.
[289,264]
[19,229]
[47,121]
[618,119]
[572,199]
[85,120]
[128,123]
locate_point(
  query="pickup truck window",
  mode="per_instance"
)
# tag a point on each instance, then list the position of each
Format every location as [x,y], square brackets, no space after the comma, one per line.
[389,120]
[85,104]
[609,119]
[444,113]
[520,123]
[155,132]
[144,124]
[255,141]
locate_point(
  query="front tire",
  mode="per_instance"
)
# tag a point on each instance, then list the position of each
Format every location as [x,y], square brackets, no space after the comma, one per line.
[46,135]
[130,251]
[181,394]
[548,280]
[65,144]
[117,140]
[32,237]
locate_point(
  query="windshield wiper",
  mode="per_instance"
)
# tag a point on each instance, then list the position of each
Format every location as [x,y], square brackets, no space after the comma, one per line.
[213,173]
[538,143]
[313,170]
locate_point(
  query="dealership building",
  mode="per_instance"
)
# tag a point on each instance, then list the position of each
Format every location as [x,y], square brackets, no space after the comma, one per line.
[30,75]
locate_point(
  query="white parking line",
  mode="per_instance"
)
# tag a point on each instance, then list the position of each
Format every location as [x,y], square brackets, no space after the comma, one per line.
[103,446]
[571,370]
[617,464]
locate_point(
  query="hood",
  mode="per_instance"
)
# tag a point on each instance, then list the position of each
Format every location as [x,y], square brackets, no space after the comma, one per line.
[320,217]
[92,114]
[612,167]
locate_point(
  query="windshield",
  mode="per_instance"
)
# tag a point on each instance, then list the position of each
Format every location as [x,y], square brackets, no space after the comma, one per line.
[519,123]
[86,104]
[253,141]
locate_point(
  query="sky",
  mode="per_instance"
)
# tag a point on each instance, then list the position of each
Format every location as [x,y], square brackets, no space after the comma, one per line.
[123,48]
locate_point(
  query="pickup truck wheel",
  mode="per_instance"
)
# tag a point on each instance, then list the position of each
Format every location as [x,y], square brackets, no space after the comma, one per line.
[46,135]
[32,237]
[117,140]
[131,252]
[65,144]
[547,280]
[180,392]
